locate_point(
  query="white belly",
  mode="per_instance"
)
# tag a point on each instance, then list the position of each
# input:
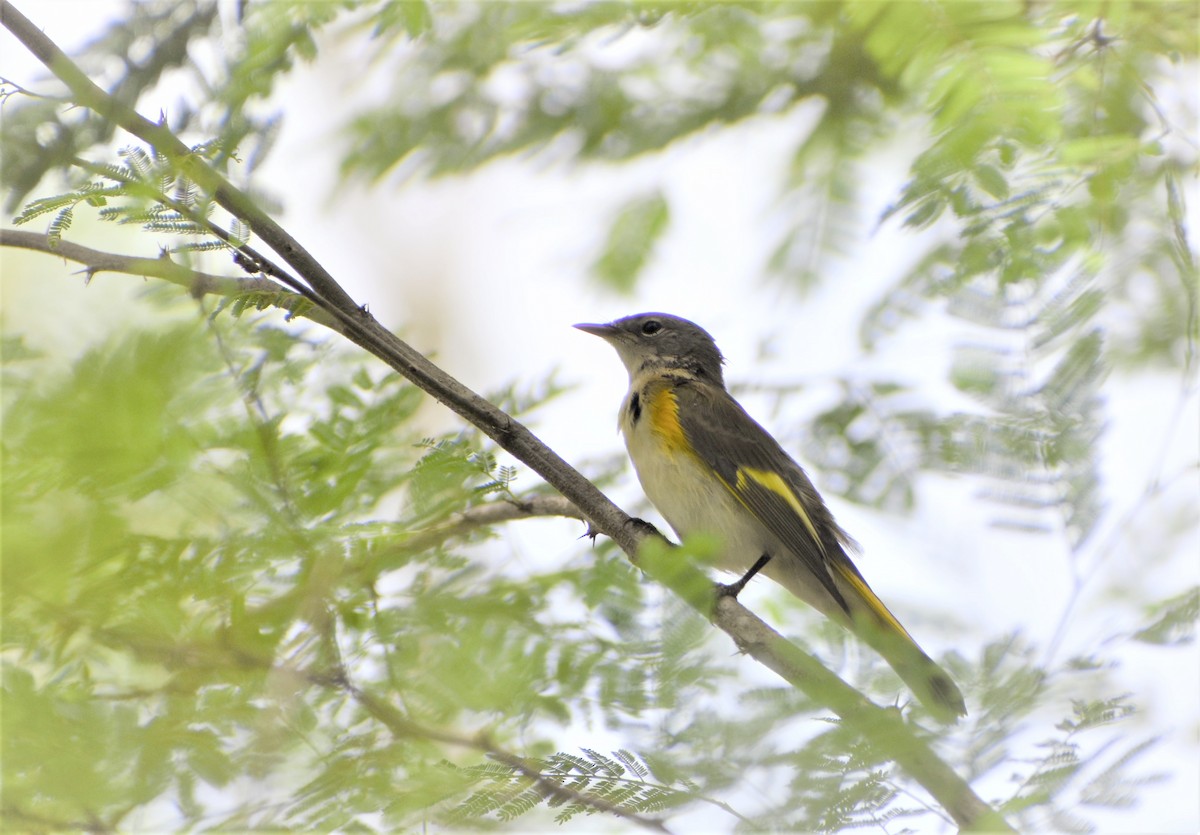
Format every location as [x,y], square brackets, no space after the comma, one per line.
[693,501]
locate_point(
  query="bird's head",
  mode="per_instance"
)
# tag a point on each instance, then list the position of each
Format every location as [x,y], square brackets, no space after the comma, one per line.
[650,341]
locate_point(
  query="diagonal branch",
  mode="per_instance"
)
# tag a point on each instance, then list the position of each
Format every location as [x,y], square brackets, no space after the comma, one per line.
[750,633]
[88,94]
[246,256]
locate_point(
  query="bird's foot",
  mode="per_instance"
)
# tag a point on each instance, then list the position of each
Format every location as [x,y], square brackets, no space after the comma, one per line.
[643,526]
[734,589]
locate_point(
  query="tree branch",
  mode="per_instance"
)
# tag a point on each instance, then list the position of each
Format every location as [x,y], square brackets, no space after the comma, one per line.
[195,282]
[457,524]
[225,194]
[250,259]
[493,513]
[888,731]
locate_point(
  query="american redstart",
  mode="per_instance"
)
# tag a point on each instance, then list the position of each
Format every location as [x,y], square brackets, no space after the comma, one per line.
[709,468]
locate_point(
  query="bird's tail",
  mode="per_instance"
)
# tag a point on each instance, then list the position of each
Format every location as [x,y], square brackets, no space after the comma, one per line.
[872,622]
[928,681]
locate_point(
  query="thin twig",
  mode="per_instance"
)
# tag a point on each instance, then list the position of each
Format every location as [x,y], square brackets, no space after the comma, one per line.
[250,259]
[457,524]
[493,513]
[197,283]
[17,89]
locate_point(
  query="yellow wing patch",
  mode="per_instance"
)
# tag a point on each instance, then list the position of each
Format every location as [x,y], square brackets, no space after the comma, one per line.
[775,483]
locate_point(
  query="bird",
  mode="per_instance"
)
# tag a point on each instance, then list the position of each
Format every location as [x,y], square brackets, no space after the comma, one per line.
[710,468]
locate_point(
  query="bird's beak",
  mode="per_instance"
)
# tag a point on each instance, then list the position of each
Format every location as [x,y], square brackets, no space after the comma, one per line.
[606,332]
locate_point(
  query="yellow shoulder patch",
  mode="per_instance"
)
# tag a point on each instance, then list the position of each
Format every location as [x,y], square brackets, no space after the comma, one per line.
[662,408]
[775,483]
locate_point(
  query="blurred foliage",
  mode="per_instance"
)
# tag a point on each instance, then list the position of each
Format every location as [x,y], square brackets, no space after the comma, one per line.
[622,779]
[41,135]
[236,575]
[1036,372]
[631,240]
[1173,620]
[155,196]
[214,534]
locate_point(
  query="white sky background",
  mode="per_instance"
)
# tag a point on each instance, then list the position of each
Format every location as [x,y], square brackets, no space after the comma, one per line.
[490,271]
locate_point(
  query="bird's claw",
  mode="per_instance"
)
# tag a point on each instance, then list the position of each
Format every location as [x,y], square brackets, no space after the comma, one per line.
[643,526]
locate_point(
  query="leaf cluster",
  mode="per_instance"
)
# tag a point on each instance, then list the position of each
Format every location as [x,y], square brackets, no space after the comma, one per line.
[221,112]
[40,136]
[157,197]
[199,558]
[621,779]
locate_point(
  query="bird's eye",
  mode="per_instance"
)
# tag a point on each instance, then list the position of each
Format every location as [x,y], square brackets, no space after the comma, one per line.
[651,327]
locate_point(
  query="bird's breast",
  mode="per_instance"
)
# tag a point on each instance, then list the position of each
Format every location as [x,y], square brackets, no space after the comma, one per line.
[683,488]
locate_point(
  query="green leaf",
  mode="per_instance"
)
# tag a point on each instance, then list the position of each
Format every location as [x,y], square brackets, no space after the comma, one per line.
[631,241]
[1173,620]
[992,181]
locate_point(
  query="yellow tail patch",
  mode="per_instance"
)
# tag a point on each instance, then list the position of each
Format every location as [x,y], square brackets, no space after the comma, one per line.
[873,603]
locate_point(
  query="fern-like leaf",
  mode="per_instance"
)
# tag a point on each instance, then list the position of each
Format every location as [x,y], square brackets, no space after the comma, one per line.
[60,224]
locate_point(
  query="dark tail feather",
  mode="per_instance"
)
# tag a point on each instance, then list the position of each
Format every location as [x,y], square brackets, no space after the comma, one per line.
[927,680]
[872,622]
[931,684]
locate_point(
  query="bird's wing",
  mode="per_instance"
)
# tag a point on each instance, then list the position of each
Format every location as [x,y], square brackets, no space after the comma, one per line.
[755,468]
[767,482]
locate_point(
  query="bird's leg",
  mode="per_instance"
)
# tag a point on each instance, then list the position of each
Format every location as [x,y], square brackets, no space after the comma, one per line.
[734,589]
